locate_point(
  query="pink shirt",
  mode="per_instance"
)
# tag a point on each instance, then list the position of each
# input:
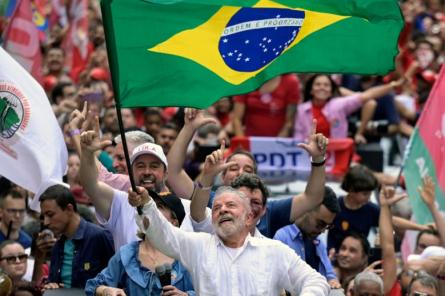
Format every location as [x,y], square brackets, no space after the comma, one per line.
[117,181]
[336,112]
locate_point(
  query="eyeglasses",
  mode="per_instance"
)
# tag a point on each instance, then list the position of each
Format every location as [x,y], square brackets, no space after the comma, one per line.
[16,211]
[414,273]
[13,259]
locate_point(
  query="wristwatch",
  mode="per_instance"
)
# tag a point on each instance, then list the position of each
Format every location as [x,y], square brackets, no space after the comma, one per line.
[320,163]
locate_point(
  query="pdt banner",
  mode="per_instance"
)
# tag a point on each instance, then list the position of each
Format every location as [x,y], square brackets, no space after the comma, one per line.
[280,160]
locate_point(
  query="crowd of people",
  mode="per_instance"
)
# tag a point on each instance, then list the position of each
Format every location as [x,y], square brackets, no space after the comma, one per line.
[201,219]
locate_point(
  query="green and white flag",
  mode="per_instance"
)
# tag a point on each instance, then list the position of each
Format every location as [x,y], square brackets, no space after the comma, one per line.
[426,152]
[33,153]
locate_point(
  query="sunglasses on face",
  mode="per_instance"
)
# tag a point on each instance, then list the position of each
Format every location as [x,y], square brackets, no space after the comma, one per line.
[421,294]
[14,259]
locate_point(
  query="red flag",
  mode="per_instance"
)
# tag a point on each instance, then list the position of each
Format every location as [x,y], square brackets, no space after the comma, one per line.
[22,39]
[58,14]
[76,40]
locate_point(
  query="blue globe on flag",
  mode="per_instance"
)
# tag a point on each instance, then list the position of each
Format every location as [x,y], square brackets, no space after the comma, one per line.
[254,37]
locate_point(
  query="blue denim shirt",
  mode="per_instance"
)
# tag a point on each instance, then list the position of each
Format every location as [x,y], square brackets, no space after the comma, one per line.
[93,247]
[125,271]
[292,236]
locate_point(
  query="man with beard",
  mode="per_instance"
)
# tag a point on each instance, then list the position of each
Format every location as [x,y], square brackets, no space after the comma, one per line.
[55,64]
[303,238]
[120,180]
[149,166]
[231,261]
[273,214]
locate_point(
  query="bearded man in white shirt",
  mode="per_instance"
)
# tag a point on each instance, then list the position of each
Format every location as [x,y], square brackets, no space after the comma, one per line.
[231,261]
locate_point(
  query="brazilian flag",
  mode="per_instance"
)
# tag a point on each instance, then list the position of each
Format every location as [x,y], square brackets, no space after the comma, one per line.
[193,52]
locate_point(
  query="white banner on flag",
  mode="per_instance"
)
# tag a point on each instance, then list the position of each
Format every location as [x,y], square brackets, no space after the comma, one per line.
[33,153]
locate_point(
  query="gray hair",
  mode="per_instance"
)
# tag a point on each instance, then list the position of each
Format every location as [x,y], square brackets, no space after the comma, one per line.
[367,276]
[425,279]
[227,189]
[136,138]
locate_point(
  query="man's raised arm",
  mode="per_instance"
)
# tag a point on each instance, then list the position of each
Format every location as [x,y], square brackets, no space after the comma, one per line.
[178,180]
[101,194]
[314,192]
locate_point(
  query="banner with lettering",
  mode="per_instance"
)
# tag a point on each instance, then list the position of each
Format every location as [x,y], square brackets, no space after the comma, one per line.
[280,160]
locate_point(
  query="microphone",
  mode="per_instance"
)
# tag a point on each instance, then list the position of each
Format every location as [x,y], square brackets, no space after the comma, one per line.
[164,273]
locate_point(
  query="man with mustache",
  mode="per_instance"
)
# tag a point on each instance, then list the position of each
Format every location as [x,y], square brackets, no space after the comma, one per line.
[231,261]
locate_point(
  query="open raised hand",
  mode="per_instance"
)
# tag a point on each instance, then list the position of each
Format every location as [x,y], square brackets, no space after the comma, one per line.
[427,192]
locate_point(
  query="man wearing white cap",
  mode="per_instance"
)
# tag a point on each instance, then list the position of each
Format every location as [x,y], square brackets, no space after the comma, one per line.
[149,165]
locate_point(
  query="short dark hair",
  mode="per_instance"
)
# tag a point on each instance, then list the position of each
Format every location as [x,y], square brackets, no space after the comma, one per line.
[330,200]
[252,182]
[310,82]
[359,178]
[246,153]
[152,111]
[170,125]
[426,231]
[58,90]
[12,193]
[61,194]
[363,242]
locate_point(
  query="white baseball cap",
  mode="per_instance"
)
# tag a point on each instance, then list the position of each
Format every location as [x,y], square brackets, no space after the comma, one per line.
[149,148]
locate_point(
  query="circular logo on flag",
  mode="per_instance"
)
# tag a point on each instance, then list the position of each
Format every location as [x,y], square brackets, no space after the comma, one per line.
[13,112]
[254,37]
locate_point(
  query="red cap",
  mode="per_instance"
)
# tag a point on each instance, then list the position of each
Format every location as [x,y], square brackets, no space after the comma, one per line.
[49,82]
[99,74]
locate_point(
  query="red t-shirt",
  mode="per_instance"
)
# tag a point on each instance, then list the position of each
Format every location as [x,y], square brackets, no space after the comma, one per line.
[265,114]
[396,290]
[323,125]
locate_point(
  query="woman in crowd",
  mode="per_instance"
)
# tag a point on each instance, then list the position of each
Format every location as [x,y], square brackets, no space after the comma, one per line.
[324,102]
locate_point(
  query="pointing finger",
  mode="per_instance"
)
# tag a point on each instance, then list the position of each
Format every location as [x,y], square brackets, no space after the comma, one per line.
[85,109]
[96,125]
[314,127]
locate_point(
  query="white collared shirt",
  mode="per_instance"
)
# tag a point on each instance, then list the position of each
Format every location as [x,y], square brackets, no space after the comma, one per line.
[262,267]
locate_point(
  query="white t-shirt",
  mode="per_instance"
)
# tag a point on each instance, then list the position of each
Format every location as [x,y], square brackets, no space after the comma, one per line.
[122,222]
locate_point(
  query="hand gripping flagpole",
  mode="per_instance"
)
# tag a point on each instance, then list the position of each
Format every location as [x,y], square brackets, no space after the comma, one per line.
[125,146]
